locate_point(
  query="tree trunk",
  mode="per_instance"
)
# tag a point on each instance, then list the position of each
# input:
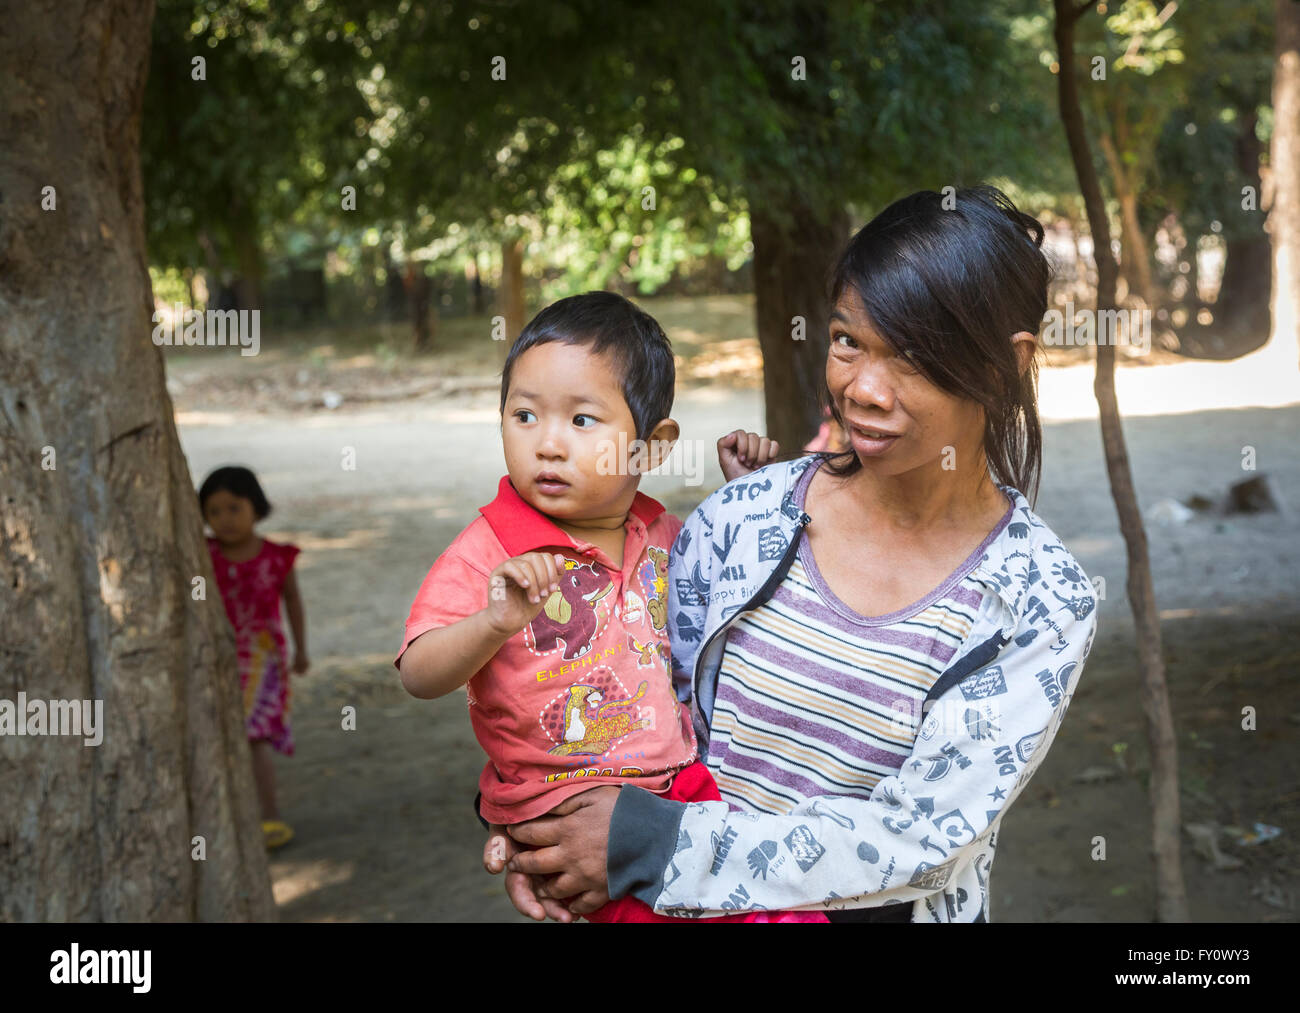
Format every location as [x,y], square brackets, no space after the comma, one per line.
[1171,896]
[248,256]
[1242,307]
[101,530]
[475,279]
[1192,299]
[394,289]
[1135,258]
[510,299]
[792,263]
[417,285]
[1284,216]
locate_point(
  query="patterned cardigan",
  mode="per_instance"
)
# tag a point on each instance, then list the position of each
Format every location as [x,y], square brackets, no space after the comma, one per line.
[926,835]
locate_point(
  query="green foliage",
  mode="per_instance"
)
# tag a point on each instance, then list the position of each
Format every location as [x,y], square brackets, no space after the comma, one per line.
[266,139]
[405,100]
[1197,171]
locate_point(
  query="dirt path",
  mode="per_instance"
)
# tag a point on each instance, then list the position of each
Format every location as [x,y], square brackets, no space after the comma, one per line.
[385,829]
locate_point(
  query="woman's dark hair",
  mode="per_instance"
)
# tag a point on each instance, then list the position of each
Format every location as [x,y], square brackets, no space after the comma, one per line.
[609,323]
[947,287]
[238,482]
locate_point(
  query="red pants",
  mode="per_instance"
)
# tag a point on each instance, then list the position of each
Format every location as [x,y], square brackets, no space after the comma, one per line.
[692,784]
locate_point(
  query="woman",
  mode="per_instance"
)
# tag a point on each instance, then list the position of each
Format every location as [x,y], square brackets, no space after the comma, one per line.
[878,646]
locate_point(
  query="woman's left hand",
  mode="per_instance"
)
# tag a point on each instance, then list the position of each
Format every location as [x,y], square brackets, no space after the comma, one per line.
[572,840]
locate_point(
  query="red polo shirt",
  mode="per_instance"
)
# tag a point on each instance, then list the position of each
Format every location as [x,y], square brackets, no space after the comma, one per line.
[583,694]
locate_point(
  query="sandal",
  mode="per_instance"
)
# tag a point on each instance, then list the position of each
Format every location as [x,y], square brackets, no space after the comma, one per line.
[276,833]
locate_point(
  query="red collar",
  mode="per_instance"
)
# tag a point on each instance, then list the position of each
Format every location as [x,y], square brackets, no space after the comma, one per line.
[522,528]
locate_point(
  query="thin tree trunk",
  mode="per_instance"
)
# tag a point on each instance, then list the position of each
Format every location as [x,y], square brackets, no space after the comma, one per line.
[418,287]
[394,289]
[1193,298]
[474,278]
[248,255]
[791,265]
[1171,896]
[1135,258]
[1284,215]
[101,539]
[510,299]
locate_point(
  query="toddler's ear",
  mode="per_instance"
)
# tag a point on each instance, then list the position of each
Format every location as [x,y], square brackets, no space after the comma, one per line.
[663,438]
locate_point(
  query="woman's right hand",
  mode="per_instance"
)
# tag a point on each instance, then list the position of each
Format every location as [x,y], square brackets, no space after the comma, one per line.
[519,587]
[520,887]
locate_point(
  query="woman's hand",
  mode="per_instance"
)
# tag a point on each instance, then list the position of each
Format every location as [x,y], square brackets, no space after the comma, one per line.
[301,662]
[520,888]
[571,843]
[740,452]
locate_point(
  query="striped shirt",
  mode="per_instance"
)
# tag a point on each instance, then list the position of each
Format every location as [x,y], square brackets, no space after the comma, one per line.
[816,699]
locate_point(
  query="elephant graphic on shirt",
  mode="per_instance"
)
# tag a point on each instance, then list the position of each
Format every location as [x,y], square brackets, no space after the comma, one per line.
[569,615]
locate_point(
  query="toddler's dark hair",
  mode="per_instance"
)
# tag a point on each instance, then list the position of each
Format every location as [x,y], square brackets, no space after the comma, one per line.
[947,288]
[609,323]
[238,482]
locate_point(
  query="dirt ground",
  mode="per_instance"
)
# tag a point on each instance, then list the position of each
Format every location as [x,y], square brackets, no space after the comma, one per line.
[385,829]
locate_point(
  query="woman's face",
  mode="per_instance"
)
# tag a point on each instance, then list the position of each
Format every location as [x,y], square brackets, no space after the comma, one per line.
[896,420]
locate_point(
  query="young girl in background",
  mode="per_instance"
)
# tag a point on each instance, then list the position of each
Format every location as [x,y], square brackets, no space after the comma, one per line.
[253,574]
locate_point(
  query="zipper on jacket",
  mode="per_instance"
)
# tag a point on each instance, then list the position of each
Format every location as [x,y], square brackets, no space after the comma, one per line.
[759,596]
[979,656]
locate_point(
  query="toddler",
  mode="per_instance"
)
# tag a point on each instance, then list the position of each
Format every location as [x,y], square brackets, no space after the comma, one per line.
[551,607]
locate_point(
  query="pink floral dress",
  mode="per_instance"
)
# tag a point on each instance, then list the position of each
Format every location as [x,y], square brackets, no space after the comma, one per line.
[251,591]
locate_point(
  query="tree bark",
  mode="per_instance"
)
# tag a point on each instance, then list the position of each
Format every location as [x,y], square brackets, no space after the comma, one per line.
[1171,896]
[793,258]
[1284,215]
[100,546]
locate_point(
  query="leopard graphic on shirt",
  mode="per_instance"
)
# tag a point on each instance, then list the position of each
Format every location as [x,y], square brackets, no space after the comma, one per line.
[591,726]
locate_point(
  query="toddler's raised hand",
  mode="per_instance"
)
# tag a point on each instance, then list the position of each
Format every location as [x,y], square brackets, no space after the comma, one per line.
[740,452]
[519,587]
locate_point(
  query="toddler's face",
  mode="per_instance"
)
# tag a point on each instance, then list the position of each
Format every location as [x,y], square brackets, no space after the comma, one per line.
[567,431]
[231,517]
